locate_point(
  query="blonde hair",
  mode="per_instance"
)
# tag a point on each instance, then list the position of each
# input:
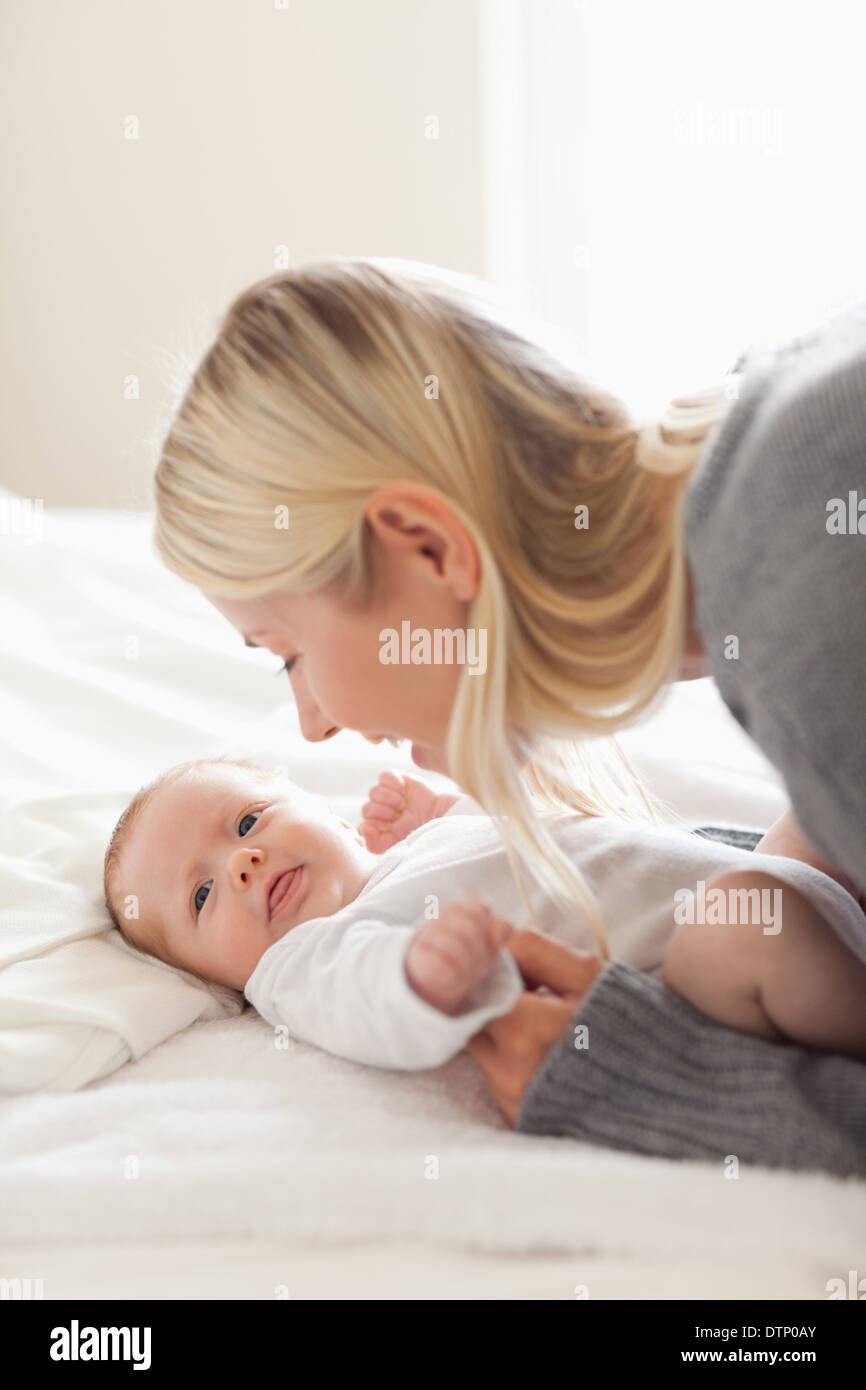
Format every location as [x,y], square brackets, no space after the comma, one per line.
[326,382]
[154,940]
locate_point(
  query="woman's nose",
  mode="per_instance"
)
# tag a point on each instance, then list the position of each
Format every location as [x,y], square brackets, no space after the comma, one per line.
[315,726]
[245,863]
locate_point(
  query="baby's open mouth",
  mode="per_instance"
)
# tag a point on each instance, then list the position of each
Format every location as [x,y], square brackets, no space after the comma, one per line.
[282,888]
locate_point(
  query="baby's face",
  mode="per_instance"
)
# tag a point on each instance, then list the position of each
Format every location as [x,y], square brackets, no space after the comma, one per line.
[227,864]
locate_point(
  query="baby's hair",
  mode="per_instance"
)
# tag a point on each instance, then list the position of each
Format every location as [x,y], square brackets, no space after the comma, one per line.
[154,942]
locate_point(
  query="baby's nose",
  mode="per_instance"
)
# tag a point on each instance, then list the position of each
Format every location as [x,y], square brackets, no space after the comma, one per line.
[245,862]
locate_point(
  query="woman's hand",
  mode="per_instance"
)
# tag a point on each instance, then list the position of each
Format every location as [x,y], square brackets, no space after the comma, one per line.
[510,1049]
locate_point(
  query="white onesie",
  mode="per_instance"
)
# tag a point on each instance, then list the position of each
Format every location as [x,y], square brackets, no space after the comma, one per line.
[340,982]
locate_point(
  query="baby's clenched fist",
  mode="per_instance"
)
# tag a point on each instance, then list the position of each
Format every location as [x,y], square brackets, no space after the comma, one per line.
[397,805]
[451,953]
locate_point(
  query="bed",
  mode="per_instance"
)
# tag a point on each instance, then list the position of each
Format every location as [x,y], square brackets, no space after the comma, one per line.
[157,1142]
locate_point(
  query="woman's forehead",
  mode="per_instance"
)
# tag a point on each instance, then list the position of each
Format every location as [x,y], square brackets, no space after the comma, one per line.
[254,617]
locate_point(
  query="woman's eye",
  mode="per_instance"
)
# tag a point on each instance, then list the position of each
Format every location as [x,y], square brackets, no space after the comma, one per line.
[198,905]
[250,816]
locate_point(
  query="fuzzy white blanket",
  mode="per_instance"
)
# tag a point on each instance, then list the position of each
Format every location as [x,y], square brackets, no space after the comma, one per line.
[218,1133]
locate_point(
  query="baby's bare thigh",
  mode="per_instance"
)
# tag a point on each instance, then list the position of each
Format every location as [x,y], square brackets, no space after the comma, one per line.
[721,963]
[778,969]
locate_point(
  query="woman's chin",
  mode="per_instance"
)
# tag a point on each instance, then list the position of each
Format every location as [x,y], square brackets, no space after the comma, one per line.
[429,758]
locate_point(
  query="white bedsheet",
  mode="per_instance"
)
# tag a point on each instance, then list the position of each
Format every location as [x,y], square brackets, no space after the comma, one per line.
[212,1134]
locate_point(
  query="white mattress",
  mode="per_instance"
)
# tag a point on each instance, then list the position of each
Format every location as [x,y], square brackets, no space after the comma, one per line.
[259,1168]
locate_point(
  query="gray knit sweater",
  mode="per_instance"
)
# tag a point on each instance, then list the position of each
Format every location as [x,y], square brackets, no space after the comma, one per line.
[780,567]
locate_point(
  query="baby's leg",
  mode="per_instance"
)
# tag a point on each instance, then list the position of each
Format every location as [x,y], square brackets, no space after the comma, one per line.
[814,989]
[785,837]
[800,983]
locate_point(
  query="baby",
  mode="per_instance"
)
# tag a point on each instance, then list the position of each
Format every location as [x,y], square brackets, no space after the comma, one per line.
[385,944]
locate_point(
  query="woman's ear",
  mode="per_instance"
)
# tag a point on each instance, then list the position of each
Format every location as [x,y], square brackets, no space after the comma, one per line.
[404,517]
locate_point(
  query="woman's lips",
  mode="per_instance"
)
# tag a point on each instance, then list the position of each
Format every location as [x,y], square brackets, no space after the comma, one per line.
[284,891]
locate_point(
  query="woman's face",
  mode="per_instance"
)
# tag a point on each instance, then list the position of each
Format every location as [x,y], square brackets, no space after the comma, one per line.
[423,575]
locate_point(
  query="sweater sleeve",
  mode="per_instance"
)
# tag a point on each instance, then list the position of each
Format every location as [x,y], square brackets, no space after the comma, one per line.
[651,1074]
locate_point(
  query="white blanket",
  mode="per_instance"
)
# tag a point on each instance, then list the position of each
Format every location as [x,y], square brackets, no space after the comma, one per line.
[220,1133]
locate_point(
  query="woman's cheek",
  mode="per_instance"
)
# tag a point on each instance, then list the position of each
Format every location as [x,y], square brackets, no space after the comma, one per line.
[358,693]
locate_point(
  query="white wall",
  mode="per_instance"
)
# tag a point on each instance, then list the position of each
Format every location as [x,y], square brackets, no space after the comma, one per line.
[719,178]
[259,126]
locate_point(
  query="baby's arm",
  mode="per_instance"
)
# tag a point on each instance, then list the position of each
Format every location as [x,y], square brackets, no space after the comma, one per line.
[397,806]
[800,983]
[347,989]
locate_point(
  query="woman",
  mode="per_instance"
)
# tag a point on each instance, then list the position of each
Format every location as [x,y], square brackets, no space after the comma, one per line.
[364,447]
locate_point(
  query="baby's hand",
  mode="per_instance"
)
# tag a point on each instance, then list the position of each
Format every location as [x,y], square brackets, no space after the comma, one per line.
[397,806]
[450,954]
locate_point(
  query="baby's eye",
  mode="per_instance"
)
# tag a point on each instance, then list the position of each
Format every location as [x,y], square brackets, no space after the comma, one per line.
[198,901]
